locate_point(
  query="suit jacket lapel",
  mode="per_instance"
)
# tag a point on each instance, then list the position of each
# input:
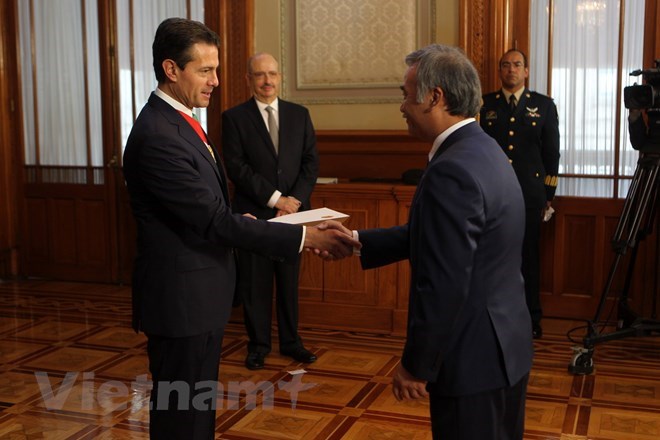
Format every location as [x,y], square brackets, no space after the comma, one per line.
[456,136]
[220,171]
[190,135]
[284,127]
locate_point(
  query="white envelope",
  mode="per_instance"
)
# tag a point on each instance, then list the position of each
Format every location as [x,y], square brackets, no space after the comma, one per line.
[311,217]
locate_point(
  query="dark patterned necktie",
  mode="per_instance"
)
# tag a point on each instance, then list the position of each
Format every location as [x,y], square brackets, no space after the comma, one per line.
[512,103]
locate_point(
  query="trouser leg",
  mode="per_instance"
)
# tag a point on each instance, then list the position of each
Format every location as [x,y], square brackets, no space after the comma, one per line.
[286,278]
[256,284]
[185,375]
[531,265]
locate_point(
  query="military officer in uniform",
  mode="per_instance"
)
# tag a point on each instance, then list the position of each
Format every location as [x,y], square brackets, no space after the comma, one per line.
[526,126]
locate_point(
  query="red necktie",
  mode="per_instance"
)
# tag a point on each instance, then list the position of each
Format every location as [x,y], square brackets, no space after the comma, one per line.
[194,123]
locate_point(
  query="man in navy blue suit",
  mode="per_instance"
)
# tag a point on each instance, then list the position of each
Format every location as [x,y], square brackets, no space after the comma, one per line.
[185,272]
[469,337]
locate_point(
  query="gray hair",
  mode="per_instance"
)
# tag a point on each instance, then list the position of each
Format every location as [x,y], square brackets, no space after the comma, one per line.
[449,68]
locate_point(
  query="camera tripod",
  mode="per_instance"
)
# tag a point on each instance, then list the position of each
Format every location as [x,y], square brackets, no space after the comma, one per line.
[635,223]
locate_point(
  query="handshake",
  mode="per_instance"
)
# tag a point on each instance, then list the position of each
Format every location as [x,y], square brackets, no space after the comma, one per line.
[330,240]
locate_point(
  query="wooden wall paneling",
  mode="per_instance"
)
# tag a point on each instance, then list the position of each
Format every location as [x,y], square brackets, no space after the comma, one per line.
[578,301]
[648,271]
[353,298]
[404,196]
[579,234]
[519,25]
[62,230]
[10,144]
[344,281]
[369,206]
[651,33]
[35,246]
[488,28]
[310,282]
[117,236]
[67,232]
[234,23]
[92,225]
[582,254]
[473,28]
[369,154]
[498,41]
[487,32]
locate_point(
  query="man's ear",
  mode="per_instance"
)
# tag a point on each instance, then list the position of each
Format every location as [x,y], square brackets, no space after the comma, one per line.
[436,96]
[170,69]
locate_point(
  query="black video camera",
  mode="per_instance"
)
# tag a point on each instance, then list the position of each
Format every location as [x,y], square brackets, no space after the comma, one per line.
[645,96]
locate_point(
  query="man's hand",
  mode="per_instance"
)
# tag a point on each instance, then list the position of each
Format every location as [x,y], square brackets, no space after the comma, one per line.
[407,387]
[330,240]
[287,205]
[547,211]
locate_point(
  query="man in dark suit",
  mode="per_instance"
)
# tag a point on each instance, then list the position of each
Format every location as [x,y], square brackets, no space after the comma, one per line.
[526,126]
[184,272]
[469,343]
[269,148]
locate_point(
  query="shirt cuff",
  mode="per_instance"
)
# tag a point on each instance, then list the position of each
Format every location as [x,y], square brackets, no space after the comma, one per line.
[273,199]
[356,237]
[302,242]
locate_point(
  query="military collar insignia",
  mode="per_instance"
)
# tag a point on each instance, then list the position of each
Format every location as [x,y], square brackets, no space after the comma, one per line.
[533,112]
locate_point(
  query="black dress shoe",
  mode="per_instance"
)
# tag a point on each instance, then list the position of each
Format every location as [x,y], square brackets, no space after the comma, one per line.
[255,361]
[300,354]
[537,331]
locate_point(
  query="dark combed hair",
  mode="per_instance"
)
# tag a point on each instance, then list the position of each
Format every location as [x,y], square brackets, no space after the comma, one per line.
[524,57]
[173,40]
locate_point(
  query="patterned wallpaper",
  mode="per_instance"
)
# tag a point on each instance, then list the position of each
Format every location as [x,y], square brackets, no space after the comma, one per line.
[349,43]
[342,51]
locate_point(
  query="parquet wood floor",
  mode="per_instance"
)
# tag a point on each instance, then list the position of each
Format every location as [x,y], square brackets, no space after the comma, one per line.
[71,368]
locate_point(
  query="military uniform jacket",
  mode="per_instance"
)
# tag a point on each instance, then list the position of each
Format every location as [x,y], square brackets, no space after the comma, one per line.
[530,139]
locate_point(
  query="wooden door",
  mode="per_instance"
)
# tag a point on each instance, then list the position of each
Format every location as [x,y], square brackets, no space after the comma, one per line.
[68,217]
[75,221]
